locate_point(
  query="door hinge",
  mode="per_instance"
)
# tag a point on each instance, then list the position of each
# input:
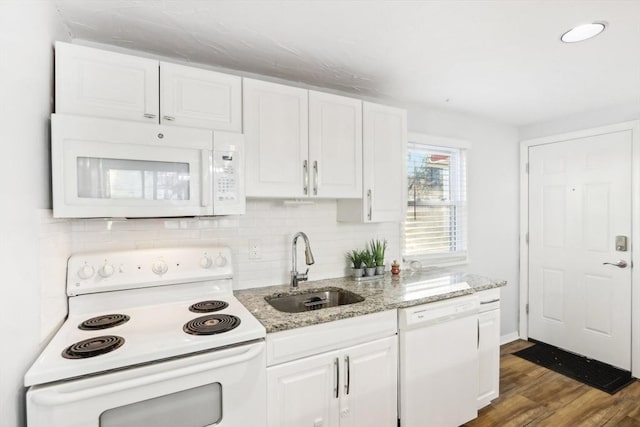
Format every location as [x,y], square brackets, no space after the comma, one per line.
[526,308]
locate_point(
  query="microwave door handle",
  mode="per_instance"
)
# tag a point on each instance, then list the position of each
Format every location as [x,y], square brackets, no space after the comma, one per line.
[54,398]
[205,182]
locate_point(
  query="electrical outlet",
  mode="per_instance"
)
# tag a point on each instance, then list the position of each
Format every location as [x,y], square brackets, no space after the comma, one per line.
[255,249]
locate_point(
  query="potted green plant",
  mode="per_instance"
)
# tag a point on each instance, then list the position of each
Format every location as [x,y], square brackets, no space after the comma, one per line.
[355,258]
[378,248]
[369,261]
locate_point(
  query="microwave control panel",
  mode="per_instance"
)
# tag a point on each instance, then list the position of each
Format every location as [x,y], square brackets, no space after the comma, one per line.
[228,174]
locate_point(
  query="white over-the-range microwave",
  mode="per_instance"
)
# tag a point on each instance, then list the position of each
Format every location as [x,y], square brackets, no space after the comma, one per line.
[113,168]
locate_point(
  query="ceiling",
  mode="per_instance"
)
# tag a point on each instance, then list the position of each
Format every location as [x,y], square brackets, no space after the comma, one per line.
[498,59]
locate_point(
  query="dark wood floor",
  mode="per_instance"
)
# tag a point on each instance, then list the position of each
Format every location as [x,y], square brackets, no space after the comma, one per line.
[531,395]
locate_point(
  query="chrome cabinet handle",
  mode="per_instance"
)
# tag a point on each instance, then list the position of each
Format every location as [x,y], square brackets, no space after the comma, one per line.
[478,341]
[305,177]
[315,177]
[490,301]
[369,197]
[620,264]
[336,362]
[348,366]
[150,116]
[169,118]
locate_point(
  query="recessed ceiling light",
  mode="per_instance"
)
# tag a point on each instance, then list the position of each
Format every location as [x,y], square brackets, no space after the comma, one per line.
[583,32]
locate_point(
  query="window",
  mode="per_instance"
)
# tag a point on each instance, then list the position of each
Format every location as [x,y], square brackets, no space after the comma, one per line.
[435,224]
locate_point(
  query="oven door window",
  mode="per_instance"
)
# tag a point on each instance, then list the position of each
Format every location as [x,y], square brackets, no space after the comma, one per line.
[100,178]
[195,407]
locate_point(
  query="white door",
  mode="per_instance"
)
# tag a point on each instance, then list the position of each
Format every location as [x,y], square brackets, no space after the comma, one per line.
[93,82]
[370,392]
[276,132]
[200,98]
[304,392]
[579,201]
[384,144]
[335,146]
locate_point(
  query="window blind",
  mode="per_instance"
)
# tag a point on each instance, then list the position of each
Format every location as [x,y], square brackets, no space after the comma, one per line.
[435,224]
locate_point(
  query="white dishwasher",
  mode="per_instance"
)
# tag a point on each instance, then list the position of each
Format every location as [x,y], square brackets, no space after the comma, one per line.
[439,363]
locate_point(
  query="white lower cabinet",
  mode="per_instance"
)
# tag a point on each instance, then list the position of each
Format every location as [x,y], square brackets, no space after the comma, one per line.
[302,393]
[369,396]
[352,387]
[488,347]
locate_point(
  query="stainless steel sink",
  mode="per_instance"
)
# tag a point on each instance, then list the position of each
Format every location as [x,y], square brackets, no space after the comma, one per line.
[314,300]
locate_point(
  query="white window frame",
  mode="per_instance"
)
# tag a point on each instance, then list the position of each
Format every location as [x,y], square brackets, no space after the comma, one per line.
[441,259]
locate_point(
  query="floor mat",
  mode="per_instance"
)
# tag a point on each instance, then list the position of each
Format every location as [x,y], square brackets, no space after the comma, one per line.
[588,371]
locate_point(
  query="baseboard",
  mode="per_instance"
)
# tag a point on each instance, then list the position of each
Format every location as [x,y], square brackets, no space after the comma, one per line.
[505,339]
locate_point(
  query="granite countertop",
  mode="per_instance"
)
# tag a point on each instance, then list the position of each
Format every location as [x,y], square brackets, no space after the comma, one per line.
[387,293]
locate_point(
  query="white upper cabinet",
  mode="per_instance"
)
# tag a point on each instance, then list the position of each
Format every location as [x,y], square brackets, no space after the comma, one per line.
[276,129]
[335,146]
[200,98]
[94,82]
[384,176]
[301,143]
[99,83]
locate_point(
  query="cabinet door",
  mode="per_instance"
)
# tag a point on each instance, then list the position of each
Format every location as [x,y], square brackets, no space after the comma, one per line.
[370,388]
[276,137]
[384,147]
[384,140]
[303,393]
[200,98]
[93,82]
[488,356]
[335,146]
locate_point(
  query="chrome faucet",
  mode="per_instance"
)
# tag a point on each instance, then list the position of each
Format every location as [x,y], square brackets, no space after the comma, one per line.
[295,276]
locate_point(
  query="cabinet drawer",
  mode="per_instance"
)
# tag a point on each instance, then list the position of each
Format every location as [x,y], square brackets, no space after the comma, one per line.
[301,342]
[489,299]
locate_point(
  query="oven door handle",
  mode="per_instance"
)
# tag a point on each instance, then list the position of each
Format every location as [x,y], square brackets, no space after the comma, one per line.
[58,396]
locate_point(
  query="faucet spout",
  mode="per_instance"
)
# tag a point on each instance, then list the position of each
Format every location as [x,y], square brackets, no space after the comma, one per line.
[309,260]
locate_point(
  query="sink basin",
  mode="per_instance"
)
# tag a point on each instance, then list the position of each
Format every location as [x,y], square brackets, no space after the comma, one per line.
[314,300]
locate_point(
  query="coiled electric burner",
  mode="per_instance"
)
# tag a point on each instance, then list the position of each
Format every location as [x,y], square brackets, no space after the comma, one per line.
[103,322]
[208,306]
[211,324]
[93,347]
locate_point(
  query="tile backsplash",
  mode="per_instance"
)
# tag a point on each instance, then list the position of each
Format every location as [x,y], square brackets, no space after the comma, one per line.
[269,222]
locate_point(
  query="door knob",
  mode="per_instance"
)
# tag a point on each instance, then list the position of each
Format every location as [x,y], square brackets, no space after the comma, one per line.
[620,264]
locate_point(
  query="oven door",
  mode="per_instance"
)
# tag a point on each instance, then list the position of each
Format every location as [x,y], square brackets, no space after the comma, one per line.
[111,168]
[225,388]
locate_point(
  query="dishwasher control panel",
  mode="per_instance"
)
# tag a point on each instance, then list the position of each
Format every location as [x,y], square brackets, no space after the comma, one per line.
[439,311]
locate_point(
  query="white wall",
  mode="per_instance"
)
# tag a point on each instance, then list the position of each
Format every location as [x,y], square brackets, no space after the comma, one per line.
[493,191]
[29,241]
[584,120]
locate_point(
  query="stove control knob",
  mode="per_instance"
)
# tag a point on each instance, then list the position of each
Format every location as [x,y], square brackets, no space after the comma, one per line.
[205,261]
[106,270]
[159,267]
[221,261]
[86,272]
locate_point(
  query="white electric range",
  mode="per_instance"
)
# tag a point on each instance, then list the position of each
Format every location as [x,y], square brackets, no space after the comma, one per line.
[153,337]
